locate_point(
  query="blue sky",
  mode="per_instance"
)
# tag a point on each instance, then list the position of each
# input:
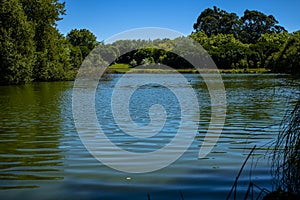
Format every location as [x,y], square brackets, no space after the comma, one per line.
[108,17]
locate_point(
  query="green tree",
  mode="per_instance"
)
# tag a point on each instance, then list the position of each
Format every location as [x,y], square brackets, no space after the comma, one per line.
[108,53]
[226,51]
[84,39]
[16,44]
[288,58]
[268,44]
[51,52]
[200,37]
[255,24]
[215,21]
[144,56]
[75,56]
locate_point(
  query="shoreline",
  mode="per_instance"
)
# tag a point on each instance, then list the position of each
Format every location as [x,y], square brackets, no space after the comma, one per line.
[122,69]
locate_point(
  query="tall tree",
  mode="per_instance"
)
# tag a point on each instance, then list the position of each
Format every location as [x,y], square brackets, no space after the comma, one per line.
[75,56]
[16,44]
[51,54]
[200,37]
[288,58]
[268,44]
[227,51]
[84,39]
[215,21]
[255,24]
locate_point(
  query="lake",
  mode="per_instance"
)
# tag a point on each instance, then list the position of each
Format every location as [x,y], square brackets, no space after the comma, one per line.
[42,156]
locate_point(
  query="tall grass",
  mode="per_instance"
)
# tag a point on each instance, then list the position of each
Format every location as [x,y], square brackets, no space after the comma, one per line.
[286,155]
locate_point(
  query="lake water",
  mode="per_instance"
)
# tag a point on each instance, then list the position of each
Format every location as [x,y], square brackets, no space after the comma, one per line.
[42,156]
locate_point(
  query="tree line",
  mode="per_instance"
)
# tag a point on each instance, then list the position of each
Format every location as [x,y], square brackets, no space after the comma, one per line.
[33,49]
[255,40]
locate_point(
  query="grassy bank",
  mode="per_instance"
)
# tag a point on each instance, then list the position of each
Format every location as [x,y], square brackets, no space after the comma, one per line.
[124,68]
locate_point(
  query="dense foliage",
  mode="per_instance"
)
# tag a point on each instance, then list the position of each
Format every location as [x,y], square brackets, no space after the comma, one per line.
[253,41]
[16,44]
[287,59]
[32,48]
[248,28]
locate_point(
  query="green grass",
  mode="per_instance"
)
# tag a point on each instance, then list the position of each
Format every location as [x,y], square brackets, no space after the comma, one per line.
[124,68]
[245,71]
[119,66]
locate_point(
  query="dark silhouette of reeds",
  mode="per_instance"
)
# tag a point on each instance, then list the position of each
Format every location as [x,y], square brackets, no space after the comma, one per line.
[286,154]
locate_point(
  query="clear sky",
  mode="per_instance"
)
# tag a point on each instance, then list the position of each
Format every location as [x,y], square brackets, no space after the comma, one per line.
[108,17]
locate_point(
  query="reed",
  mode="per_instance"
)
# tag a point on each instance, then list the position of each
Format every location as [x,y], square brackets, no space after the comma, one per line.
[286,154]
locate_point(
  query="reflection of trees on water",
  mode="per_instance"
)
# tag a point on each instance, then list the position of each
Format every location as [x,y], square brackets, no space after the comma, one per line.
[30,134]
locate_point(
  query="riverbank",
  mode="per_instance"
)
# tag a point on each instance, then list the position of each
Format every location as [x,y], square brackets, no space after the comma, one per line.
[124,68]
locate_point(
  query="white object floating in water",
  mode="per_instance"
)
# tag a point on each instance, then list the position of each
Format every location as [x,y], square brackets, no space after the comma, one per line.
[128,178]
